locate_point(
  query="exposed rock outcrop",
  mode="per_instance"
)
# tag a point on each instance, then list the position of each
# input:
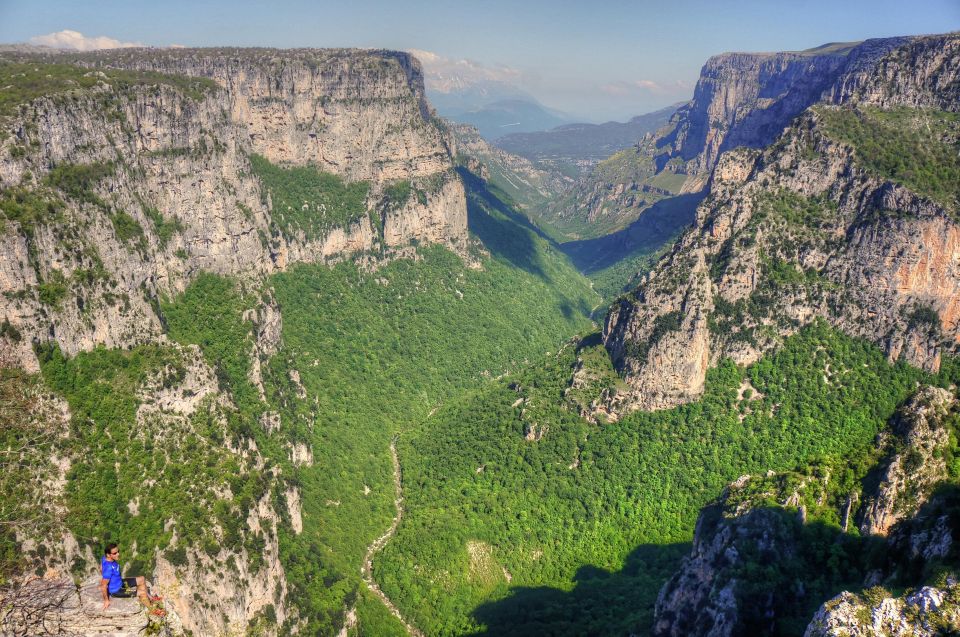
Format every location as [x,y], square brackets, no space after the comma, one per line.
[57,606]
[927,612]
[915,465]
[224,593]
[705,596]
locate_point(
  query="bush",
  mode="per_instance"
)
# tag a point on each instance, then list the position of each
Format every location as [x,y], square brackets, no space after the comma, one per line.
[177,556]
[309,200]
[78,181]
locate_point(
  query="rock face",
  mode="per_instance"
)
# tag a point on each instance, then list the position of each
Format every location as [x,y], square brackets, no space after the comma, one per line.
[920,72]
[916,464]
[169,189]
[798,231]
[760,521]
[358,114]
[54,606]
[143,170]
[705,596]
[928,612]
[222,594]
[746,99]
[209,591]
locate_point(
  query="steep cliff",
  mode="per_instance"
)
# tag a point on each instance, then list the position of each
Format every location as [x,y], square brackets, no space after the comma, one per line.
[746,99]
[121,184]
[127,178]
[850,215]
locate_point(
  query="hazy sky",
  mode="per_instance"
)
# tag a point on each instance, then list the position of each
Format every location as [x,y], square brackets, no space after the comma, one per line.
[596,59]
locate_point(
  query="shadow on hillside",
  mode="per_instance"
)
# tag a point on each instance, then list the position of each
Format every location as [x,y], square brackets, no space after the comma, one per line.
[923,532]
[601,602]
[786,569]
[504,232]
[657,225]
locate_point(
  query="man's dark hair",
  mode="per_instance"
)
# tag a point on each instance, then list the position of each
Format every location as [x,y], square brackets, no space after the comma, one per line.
[109,548]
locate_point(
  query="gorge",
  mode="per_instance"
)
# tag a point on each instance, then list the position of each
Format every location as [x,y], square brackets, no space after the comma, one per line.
[325,363]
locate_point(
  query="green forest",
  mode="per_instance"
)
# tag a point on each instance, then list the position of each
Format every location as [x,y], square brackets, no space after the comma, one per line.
[575,533]
[376,352]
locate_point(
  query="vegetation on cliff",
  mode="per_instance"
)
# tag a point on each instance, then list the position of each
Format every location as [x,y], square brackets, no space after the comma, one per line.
[25,81]
[308,200]
[372,352]
[919,148]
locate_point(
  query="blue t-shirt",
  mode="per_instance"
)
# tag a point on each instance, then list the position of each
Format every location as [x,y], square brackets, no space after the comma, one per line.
[110,570]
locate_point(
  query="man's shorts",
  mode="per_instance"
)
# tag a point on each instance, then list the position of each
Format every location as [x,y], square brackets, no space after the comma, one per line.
[129,588]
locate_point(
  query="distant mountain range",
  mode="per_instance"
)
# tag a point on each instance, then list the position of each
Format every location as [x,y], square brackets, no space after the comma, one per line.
[494,107]
[593,142]
[502,117]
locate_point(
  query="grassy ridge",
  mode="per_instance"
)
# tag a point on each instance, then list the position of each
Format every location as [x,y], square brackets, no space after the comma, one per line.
[915,147]
[601,513]
[24,82]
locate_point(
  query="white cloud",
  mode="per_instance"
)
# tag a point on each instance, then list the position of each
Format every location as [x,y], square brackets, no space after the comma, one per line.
[446,74]
[645,86]
[68,39]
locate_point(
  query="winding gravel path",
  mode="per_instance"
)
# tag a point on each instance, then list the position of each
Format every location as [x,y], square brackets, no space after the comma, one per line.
[366,571]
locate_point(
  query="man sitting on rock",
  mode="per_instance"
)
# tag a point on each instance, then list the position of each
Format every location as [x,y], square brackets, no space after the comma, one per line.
[113,585]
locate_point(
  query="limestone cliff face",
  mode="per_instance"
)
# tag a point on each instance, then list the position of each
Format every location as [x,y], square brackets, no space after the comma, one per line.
[797,231]
[746,99]
[707,595]
[219,590]
[358,114]
[118,190]
[179,195]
